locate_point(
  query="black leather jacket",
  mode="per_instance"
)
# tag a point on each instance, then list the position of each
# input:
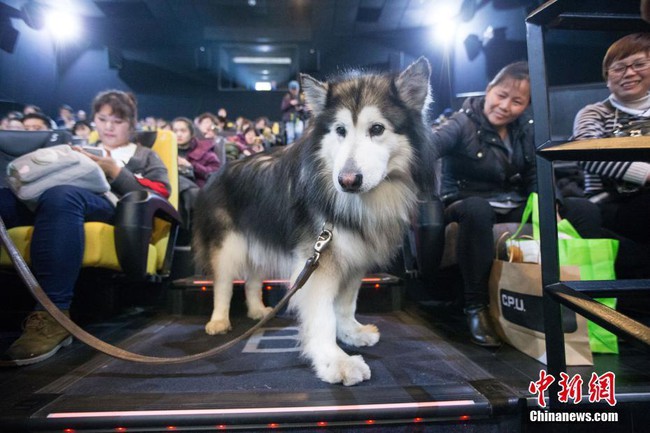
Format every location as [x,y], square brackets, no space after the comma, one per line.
[475,160]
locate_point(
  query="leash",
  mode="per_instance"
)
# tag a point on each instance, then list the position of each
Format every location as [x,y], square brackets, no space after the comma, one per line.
[37,292]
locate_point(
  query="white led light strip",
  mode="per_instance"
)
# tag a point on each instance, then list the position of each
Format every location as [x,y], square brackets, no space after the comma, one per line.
[265,410]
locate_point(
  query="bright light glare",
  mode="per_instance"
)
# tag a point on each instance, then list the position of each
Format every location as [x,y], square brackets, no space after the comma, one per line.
[445,31]
[442,19]
[443,11]
[63,26]
[263,86]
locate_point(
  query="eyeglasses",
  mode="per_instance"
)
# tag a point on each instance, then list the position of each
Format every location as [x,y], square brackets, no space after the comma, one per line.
[620,69]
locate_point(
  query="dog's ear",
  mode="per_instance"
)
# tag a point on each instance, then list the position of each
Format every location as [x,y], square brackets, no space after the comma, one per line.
[413,84]
[315,93]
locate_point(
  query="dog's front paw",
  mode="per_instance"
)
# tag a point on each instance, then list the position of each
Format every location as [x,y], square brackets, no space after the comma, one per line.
[259,313]
[214,327]
[364,335]
[348,370]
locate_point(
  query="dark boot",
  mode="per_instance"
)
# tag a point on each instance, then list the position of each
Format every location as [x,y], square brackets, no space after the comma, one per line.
[480,326]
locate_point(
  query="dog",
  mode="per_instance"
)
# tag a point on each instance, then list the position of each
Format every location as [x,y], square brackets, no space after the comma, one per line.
[358,168]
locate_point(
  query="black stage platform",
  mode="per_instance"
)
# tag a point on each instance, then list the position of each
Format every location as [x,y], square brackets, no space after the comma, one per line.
[426,376]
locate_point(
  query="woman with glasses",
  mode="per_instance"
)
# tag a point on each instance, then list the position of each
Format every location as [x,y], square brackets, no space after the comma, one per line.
[621,187]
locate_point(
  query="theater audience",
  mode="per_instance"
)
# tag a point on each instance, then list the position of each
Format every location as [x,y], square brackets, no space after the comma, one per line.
[248,142]
[208,125]
[488,171]
[196,162]
[31,108]
[13,121]
[224,123]
[263,129]
[293,111]
[57,244]
[66,119]
[36,122]
[82,129]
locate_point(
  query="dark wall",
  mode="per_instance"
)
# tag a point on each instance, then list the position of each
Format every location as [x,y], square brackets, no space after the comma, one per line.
[573,57]
[39,73]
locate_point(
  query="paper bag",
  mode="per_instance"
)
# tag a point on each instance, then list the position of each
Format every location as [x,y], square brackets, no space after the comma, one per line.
[516,307]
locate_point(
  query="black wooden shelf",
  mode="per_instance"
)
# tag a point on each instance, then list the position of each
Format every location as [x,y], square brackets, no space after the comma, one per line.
[607,15]
[601,149]
[600,15]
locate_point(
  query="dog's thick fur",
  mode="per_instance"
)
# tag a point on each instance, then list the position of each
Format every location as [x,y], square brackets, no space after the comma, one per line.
[358,168]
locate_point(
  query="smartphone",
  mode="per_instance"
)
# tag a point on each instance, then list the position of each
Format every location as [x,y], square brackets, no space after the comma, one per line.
[97,151]
[78,141]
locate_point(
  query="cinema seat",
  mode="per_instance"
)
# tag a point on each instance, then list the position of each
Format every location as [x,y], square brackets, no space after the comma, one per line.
[141,242]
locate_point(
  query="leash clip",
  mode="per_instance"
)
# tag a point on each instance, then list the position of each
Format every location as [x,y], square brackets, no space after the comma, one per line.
[323,239]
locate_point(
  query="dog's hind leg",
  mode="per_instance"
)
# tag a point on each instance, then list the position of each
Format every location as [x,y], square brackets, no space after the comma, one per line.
[314,304]
[256,308]
[227,262]
[348,329]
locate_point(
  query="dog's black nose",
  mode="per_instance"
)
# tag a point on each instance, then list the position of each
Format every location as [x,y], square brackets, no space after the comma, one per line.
[350,182]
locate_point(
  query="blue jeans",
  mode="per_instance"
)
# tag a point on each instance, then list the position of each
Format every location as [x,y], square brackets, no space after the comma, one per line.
[58,240]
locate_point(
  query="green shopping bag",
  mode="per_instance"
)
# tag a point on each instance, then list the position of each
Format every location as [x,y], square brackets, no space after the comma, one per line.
[595,259]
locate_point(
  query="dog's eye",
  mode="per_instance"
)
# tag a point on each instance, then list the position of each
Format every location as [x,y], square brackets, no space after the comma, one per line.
[377,129]
[340,131]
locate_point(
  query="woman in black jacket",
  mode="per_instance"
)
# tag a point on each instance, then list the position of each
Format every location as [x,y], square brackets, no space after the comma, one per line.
[488,171]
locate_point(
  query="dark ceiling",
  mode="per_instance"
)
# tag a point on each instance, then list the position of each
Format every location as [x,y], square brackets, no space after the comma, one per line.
[210,33]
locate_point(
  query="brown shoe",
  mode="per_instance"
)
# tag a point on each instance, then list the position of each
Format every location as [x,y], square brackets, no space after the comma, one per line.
[42,337]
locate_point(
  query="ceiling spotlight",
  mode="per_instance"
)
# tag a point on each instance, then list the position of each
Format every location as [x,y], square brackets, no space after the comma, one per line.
[473,46]
[62,25]
[252,3]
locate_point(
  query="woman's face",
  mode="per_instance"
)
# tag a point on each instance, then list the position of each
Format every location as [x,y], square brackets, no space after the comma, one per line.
[82,131]
[506,101]
[629,78]
[113,131]
[207,126]
[250,137]
[182,131]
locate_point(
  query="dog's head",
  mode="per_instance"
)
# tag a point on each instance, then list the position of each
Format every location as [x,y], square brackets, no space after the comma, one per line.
[370,126]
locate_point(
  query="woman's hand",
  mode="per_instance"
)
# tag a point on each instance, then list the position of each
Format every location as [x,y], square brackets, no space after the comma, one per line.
[182,162]
[106,163]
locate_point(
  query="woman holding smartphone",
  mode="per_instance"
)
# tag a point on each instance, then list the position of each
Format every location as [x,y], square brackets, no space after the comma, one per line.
[58,240]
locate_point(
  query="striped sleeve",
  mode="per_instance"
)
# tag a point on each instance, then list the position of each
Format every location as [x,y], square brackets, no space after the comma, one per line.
[598,121]
[593,121]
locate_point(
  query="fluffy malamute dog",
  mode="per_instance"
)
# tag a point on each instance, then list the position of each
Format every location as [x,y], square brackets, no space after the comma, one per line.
[358,168]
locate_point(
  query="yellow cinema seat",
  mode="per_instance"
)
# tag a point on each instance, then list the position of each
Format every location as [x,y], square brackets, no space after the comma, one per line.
[141,242]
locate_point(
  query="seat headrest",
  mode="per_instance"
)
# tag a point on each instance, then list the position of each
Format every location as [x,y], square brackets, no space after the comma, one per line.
[146,138]
[17,143]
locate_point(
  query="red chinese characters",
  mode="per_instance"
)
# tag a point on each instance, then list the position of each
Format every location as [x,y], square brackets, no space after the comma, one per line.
[600,388]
